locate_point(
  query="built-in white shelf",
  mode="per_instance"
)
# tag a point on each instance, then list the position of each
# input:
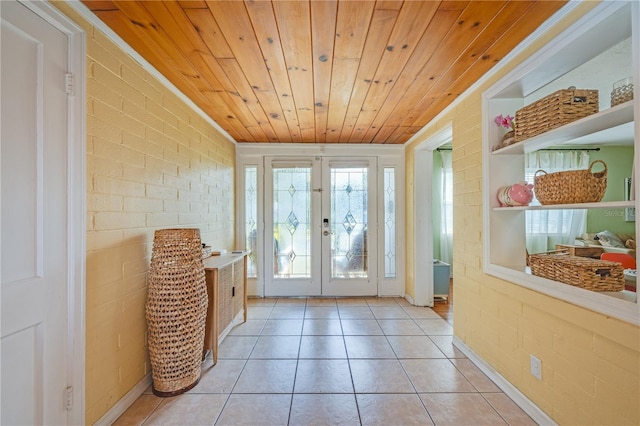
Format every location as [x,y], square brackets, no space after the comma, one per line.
[600,128]
[602,205]
[624,304]
[504,231]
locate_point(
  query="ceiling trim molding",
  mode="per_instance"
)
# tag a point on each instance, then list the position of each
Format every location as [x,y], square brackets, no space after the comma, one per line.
[541,30]
[116,39]
[319,149]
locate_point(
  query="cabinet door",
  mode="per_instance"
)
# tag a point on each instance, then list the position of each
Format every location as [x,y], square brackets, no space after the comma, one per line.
[225,301]
[238,285]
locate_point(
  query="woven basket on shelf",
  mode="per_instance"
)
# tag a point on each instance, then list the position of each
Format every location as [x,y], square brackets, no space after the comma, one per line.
[176,310]
[584,272]
[622,91]
[570,187]
[555,110]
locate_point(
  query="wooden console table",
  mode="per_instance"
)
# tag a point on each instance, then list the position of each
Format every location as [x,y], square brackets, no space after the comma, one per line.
[226,277]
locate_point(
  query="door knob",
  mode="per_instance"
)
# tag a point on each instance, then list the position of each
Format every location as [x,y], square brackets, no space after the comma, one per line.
[325,233]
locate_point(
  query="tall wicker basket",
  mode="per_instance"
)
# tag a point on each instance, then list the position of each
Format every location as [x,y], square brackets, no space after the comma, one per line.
[176,310]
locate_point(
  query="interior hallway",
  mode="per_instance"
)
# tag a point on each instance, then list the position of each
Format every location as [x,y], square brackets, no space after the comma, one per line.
[323,361]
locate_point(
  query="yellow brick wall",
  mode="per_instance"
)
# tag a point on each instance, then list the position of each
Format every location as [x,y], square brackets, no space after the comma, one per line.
[591,363]
[152,163]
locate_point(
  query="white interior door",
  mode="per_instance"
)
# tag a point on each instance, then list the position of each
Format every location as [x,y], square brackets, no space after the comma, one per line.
[34,205]
[320,227]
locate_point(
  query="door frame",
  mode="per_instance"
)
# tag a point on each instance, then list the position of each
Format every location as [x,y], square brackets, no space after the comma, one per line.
[76,205]
[320,281]
[423,214]
[388,156]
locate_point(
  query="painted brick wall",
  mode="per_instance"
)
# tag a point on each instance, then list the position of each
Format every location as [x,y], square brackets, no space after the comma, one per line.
[152,163]
[591,363]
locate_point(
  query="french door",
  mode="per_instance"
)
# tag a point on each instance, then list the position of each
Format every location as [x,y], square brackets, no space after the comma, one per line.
[320,226]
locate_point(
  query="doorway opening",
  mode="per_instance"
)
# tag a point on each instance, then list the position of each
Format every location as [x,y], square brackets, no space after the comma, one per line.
[433,197]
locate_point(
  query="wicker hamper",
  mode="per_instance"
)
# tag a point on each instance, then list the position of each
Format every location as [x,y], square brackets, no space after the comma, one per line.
[176,310]
[555,110]
[570,187]
[584,272]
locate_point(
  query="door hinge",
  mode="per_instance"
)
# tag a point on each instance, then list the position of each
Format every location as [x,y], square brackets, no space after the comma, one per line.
[69,83]
[68,398]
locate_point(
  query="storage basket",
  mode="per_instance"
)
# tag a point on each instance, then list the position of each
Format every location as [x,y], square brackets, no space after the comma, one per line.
[555,110]
[584,272]
[176,310]
[572,186]
[622,91]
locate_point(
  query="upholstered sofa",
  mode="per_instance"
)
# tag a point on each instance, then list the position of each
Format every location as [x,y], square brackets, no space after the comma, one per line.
[609,241]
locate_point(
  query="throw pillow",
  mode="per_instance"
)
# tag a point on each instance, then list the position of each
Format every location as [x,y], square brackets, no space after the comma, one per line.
[609,239]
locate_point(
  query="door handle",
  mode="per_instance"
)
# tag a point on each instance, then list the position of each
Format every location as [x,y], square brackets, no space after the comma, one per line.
[325,225]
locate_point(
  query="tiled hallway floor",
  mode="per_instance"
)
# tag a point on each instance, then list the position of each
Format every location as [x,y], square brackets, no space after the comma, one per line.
[369,361]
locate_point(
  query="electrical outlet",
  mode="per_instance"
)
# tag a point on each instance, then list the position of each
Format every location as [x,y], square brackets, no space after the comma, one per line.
[536,367]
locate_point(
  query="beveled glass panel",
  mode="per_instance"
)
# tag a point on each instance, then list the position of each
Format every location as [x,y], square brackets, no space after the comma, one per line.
[349,223]
[291,222]
[251,215]
[389,222]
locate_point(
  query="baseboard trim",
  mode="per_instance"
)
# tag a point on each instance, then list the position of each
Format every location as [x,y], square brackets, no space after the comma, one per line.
[125,402]
[510,390]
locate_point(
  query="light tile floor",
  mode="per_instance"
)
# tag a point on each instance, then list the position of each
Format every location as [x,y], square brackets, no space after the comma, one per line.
[327,361]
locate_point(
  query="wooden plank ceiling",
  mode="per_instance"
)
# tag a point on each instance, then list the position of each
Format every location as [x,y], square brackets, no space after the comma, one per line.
[323,71]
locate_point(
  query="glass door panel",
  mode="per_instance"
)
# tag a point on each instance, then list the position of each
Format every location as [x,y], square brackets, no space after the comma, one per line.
[292,239]
[292,222]
[349,223]
[349,267]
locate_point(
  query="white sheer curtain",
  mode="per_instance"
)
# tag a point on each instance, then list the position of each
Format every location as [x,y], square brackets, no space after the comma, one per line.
[546,228]
[446,209]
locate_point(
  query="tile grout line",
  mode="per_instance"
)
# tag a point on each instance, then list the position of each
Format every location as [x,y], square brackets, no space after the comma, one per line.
[295,375]
[346,351]
[326,330]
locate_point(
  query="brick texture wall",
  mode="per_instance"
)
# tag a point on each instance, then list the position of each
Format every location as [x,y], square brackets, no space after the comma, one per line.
[152,163]
[591,363]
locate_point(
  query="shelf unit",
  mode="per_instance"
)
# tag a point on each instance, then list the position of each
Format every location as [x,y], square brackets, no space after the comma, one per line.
[600,127]
[607,25]
[226,278]
[602,205]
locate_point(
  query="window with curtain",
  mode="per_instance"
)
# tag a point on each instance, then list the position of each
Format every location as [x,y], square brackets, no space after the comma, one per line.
[546,228]
[446,208]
